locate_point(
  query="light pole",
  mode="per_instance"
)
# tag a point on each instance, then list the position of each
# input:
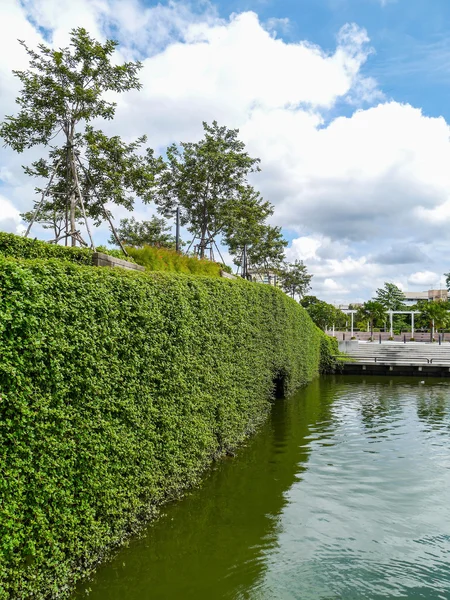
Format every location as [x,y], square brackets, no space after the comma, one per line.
[244,262]
[177,230]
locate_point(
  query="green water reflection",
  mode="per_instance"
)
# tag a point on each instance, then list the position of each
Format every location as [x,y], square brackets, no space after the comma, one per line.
[343,494]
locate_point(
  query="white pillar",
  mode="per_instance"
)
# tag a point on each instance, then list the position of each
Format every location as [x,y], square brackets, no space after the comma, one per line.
[412,324]
[392,323]
[333,329]
[352,324]
[432,329]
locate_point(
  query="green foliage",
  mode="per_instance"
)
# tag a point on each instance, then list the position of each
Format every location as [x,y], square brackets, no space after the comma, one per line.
[165,259]
[144,233]
[267,253]
[20,247]
[323,314]
[436,313]
[295,279]
[16,246]
[117,390]
[329,351]
[62,92]
[372,311]
[390,296]
[208,181]
[66,86]
[245,225]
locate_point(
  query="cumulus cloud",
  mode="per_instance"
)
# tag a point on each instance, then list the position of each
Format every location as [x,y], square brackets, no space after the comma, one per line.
[425,279]
[401,254]
[9,217]
[365,195]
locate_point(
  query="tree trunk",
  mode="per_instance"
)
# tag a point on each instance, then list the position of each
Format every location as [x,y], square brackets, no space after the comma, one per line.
[203,240]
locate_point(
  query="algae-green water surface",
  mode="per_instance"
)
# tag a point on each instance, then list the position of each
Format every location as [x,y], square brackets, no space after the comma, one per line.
[343,494]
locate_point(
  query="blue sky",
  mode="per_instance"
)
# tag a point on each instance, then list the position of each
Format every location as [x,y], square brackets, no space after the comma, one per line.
[346,102]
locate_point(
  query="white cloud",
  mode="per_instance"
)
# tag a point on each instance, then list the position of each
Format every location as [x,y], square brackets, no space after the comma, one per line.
[426,279]
[276,25]
[9,217]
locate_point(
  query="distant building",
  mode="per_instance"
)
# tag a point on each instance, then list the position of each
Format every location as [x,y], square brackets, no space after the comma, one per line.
[350,306]
[268,277]
[430,296]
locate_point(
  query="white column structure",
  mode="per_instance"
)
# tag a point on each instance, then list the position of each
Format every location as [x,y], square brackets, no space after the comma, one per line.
[412,324]
[352,323]
[391,315]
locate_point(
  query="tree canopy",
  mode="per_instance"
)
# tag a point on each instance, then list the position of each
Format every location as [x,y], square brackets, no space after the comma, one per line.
[208,181]
[390,296]
[62,92]
[295,279]
[372,311]
[144,233]
[433,314]
[322,313]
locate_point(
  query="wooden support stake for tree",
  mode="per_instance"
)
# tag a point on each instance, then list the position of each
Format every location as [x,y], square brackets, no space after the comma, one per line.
[44,193]
[104,208]
[80,196]
[192,241]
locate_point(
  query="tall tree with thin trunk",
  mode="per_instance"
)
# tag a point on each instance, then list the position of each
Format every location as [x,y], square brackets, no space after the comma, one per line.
[62,92]
[372,311]
[206,179]
[295,279]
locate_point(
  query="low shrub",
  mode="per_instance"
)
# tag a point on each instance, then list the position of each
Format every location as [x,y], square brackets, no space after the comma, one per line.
[17,246]
[117,390]
[166,259]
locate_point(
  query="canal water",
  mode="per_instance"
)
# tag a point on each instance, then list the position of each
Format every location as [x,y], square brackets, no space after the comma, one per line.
[343,494]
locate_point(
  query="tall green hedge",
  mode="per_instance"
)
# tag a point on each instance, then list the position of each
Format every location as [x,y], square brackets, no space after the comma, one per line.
[117,389]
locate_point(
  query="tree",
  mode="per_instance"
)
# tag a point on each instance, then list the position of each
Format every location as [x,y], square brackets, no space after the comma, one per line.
[246,230]
[307,301]
[144,233]
[245,224]
[62,92]
[447,280]
[322,313]
[295,279]
[433,315]
[371,311]
[207,180]
[110,169]
[267,253]
[390,296]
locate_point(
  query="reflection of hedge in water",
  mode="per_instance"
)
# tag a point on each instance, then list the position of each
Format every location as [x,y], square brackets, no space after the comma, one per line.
[229,525]
[117,390]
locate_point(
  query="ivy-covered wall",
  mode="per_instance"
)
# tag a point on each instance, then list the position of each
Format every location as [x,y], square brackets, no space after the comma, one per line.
[117,389]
